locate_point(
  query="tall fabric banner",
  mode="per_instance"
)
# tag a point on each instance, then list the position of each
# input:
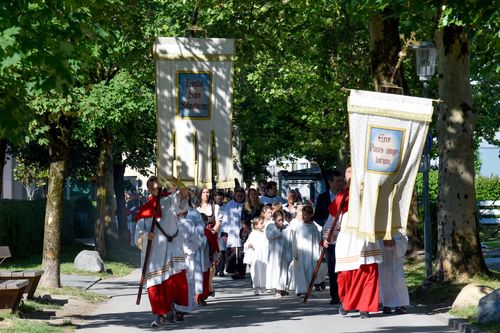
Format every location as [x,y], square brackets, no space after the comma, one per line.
[387,135]
[194,112]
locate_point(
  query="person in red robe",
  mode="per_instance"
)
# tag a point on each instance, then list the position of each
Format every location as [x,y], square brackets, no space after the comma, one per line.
[166,280]
[358,288]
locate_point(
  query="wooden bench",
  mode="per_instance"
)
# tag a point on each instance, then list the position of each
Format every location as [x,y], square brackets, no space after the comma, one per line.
[33,276]
[488,212]
[11,292]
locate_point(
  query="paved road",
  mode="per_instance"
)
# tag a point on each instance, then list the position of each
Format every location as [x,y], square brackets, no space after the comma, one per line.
[236,309]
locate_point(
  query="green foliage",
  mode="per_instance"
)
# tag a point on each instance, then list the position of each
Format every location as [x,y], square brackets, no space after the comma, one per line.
[487,188]
[22,224]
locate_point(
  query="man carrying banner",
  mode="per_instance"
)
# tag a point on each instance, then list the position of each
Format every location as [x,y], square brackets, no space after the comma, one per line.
[165,276]
[387,134]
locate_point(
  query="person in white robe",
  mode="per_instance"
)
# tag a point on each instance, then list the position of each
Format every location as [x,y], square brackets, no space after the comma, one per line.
[393,289]
[166,258]
[191,242]
[231,225]
[279,256]
[306,251]
[256,252]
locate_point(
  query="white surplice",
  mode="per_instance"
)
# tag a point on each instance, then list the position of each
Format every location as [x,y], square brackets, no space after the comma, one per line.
[256,253]
[191,242]
[231,222]
[306,251]
[279,257]
[393,288]
[166,258]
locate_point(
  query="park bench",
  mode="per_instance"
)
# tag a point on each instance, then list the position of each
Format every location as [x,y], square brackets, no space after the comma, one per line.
[488,211]
[32,276]
[11,292]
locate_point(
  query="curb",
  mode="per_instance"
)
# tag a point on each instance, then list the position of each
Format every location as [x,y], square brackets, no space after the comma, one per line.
[459,324]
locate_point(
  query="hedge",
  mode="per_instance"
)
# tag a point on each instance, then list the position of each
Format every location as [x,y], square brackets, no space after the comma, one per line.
[22,225]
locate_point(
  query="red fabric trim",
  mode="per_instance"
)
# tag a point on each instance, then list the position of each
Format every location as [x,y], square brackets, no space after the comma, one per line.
[148,209]
[335,205]
[206,287]
[213,242]
[358,289]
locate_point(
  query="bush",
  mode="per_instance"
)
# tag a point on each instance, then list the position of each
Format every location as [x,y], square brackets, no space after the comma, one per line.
[84,217]
[22,226]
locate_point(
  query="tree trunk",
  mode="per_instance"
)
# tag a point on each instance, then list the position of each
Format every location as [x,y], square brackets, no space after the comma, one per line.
[105,227]
[459,250]
[59,137]
[3,156]
[121,209]
[384,53]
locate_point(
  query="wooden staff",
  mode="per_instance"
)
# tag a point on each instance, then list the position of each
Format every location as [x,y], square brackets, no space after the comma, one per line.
[323,250]
[148,247]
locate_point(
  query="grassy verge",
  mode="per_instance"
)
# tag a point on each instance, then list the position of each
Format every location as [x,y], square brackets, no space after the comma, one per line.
[438,297]
[120,262]
[34,315]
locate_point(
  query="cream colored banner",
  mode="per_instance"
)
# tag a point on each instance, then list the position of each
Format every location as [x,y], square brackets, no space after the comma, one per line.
[194,112]
[387,134]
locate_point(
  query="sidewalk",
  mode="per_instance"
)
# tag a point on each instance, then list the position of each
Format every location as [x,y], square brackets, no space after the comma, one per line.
[236,309]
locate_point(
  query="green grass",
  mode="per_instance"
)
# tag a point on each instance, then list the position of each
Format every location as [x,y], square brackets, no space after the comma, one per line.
[441,295]
[120,262]
[17,325]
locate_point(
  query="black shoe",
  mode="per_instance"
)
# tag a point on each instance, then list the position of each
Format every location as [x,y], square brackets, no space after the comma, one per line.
[179,316]
[317,287]
[342,312]
[322,285]
[212,294]
[334,301]
[386,310]
[201,301]
[221,274]
[364,315]
[400,310]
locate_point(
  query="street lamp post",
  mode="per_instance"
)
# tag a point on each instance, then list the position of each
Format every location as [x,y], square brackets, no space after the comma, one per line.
[426,64]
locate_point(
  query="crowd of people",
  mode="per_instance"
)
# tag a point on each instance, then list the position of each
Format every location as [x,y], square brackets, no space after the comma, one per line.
[197,236]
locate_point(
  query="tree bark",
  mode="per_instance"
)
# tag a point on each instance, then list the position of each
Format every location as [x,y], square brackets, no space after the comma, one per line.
[119,188]
[3,156]
[59,138]
[459,249]
[105,227]
[385,46]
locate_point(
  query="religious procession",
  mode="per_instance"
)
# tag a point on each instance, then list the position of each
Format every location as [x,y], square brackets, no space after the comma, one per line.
[288,247]
[249,166]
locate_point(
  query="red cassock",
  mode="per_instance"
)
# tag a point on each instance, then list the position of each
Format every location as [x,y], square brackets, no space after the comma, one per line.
[358,288]
[173,290]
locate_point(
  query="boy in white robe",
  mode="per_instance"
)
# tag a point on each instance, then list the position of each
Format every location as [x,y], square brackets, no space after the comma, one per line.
[280,254]
[256,252]
[306,250]
[393,288]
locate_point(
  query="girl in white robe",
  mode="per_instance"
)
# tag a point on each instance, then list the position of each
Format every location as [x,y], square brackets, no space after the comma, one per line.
[306,250]
[280,254]
[256,252]
[393,288]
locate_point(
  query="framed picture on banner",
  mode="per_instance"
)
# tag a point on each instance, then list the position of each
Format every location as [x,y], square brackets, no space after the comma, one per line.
[384,149]
[194,95]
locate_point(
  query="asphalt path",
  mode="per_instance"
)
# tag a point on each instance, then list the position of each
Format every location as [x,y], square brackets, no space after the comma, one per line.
[235,309]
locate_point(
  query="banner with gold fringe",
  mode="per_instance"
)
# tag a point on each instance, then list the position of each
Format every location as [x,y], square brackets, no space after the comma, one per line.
[387,137]
[194,112]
